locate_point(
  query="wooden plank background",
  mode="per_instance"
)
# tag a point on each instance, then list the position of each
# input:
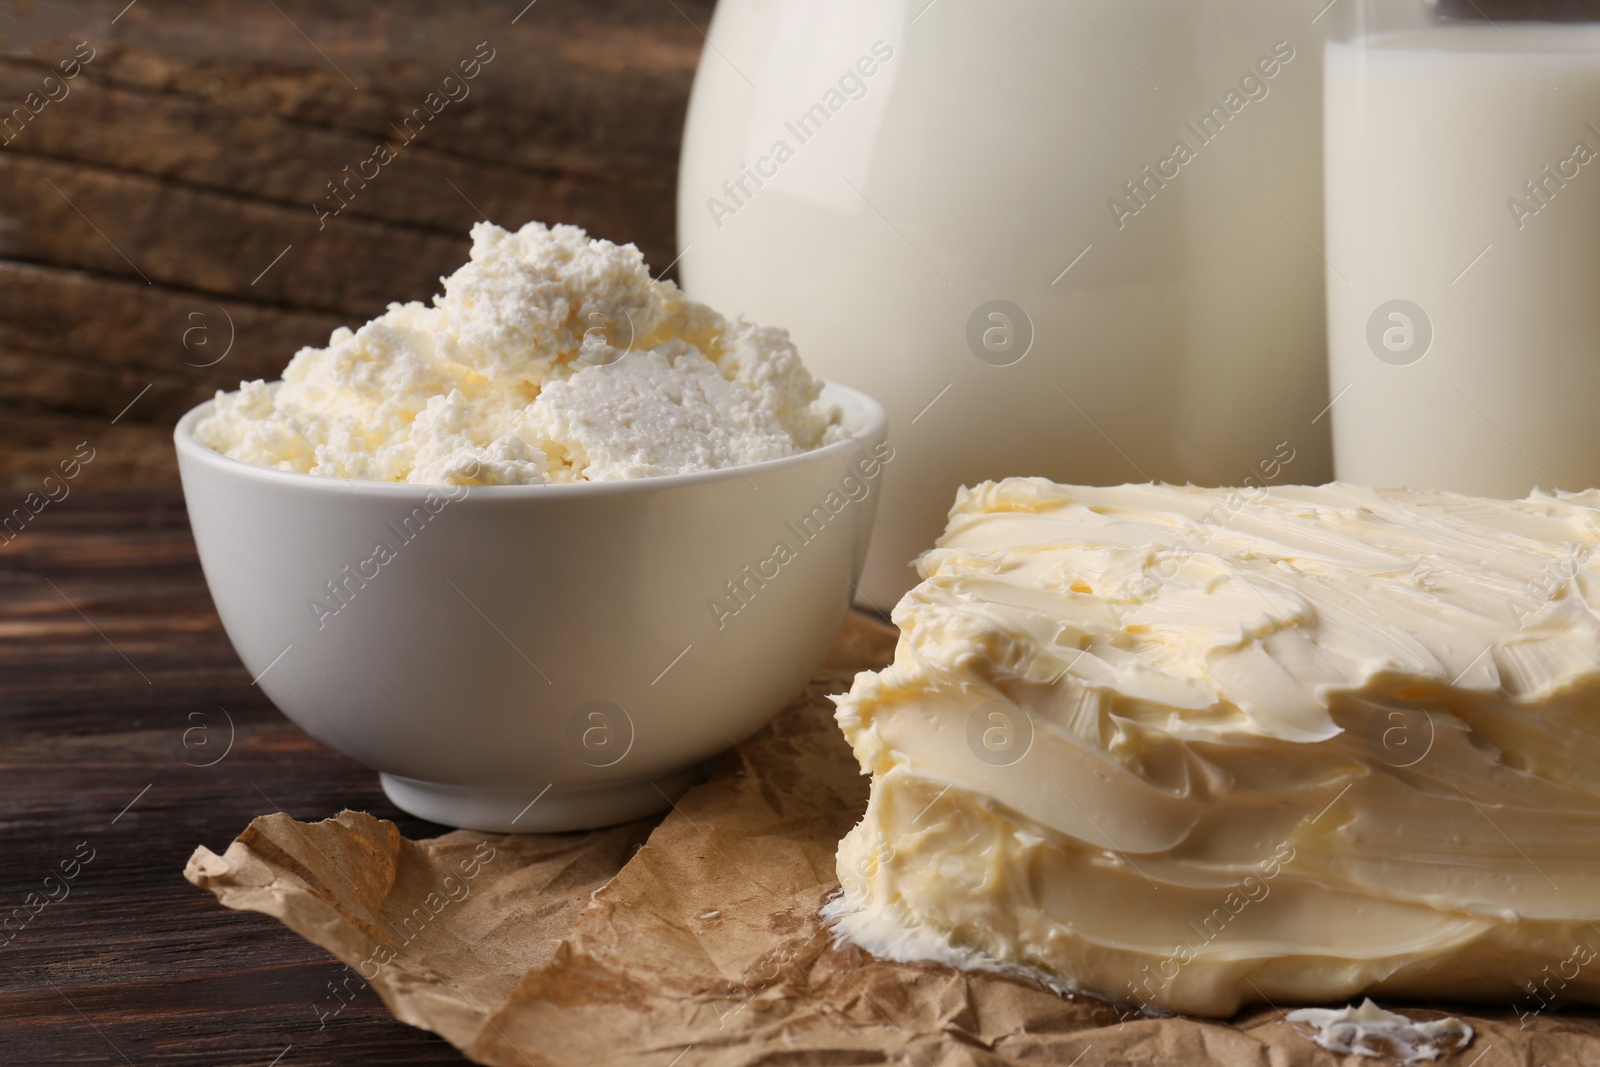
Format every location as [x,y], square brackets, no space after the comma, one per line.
[144,217]
[158,234]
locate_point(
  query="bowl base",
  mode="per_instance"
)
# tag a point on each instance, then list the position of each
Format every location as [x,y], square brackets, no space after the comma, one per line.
[556,809]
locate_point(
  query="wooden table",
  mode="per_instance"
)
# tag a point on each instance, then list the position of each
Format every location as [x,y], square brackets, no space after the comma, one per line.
[161,214]
[117,691]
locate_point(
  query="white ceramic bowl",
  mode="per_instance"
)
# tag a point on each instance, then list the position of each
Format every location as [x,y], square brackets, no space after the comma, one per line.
[541,657]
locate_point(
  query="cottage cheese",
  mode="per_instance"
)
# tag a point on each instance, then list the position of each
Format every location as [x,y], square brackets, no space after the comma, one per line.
[550,357]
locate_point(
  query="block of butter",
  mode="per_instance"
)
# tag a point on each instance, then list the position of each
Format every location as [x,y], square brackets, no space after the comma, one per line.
[1193,748]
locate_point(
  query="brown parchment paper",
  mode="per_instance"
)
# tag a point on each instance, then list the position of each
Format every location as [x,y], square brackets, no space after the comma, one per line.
[703,946]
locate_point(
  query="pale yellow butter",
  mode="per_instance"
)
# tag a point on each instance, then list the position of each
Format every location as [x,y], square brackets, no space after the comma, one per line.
[1196,748]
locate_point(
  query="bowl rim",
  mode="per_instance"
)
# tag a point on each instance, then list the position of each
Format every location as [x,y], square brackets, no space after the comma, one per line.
[874,424]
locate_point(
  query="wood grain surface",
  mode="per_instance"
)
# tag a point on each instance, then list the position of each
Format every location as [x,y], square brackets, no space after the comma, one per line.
[119,695]
[160,238]
[167,225]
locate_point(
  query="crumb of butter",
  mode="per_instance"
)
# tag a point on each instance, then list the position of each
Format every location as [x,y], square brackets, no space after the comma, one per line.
[549,357]
[1368,1030]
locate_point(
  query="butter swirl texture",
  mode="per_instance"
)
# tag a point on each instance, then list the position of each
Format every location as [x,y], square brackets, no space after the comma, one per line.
[1193,748]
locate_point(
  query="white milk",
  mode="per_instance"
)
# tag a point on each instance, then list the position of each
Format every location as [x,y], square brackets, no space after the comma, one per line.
[978,163]
[1433,137]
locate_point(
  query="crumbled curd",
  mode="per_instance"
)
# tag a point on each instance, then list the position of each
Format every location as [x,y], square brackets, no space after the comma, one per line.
[550,357]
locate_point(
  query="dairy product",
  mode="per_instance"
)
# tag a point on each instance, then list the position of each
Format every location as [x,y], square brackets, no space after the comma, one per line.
[1368,1030]
[1462,201]
[1064,158]
[549,357]
[1193,748]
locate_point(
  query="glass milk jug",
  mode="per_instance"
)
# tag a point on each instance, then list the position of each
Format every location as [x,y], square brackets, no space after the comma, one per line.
[1073,240]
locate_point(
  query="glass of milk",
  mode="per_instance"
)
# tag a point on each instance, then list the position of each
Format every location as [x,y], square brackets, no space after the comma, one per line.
[1462,198]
